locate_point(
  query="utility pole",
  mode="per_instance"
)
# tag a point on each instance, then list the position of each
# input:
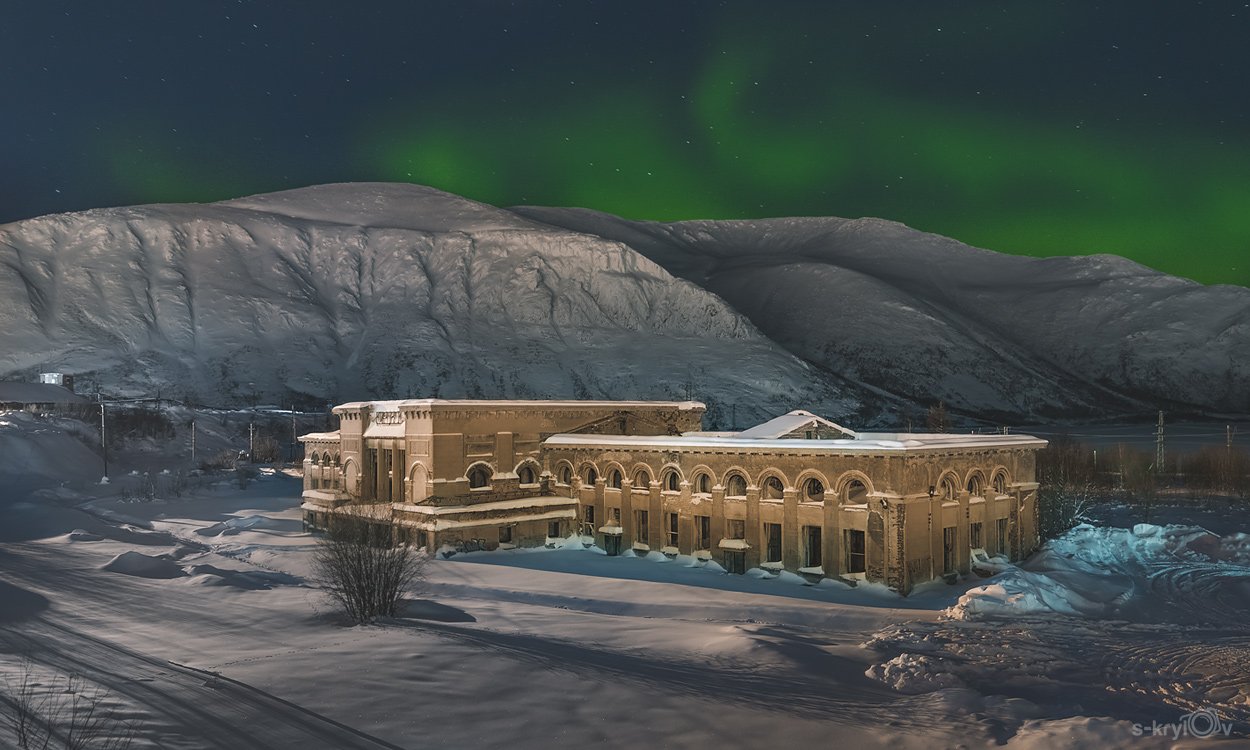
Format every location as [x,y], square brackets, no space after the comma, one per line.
[104,447]
[294,437]
[192,442]
[1159,456]
[251,439]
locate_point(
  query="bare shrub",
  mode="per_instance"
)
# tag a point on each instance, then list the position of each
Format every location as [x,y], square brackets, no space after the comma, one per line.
[363,567]
[63,712]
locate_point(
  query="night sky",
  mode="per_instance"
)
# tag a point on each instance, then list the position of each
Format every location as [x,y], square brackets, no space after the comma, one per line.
[1038,128]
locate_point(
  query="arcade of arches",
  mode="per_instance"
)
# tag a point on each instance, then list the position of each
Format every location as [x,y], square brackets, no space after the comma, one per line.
[888,507]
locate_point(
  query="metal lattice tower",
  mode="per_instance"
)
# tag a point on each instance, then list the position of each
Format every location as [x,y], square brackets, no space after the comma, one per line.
[1159,453]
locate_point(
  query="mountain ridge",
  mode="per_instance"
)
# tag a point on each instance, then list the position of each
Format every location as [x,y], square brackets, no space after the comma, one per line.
[337,292]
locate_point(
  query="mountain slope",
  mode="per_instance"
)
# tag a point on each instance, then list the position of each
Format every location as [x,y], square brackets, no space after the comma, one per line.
[927,317]
[345,291]
[342,292]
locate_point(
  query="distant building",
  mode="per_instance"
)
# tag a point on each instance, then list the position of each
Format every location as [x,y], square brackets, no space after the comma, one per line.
[36,396]
[57,378]
[799,492]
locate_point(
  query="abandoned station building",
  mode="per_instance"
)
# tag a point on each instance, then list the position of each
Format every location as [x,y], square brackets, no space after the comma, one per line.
[799,492]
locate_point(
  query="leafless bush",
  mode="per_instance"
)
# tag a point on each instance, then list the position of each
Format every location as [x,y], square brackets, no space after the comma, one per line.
[363,568]
[1063,506]
[64,712]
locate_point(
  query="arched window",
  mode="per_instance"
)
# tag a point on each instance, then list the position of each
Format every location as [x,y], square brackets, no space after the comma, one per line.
[642,480]
[856,493]
[615,478]
[814,489]
[526,475]
[974,485]
[672,481]
[566,474]
[946,490]
[1000,483]
[736,486]
[313,458]
[479,476]
[703,484]
[325,459]
[590,476]
[337,462]
[772,489]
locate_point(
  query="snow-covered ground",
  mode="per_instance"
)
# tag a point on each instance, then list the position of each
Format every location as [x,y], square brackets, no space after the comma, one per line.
[198,615]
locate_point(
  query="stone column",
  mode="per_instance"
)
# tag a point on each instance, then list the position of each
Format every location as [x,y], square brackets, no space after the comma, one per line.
[963,548]
[601,508]
[627,514]
[716,527]
[755,553]
[791,549]
[655,518]
[383,480]
[831,535]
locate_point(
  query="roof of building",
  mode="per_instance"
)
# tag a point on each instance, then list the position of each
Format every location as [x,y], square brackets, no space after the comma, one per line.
[788,423]
[15,392]
[395,405]
[864,442]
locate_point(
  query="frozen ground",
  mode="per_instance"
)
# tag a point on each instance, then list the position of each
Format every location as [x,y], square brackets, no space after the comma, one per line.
[198,616]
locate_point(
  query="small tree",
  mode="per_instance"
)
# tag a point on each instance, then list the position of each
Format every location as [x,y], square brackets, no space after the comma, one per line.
[363,568]
[938,420]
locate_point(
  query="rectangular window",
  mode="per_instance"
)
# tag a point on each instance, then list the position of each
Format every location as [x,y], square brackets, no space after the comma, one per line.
[948,549]
[673,535]
[735,562]
[975,540]
[616,516]
[588,513]
[553,529]
[735,528]
[772,542]
[640,526]
[855,558]
[505,534]
[812,554]
[1004,543]
[702,532]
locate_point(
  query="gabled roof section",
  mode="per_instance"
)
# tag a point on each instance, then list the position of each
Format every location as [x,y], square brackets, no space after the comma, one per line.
[796,424]
[12,392]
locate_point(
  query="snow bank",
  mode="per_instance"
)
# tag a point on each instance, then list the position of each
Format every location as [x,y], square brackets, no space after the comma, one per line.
[144,566]
[1150,574]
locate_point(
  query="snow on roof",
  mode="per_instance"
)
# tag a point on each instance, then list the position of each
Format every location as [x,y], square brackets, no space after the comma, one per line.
[515,403]
[788,423]
[16,392]
[864,442]
[318,436]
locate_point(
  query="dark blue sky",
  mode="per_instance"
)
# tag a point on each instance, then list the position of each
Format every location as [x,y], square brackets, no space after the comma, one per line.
[1038,128]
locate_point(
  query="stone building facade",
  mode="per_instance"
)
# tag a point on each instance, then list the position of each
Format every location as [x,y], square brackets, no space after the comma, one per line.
[798,493]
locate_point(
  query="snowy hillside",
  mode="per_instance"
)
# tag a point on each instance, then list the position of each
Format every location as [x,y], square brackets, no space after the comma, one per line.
[373,290]
[928,317]
[388,290]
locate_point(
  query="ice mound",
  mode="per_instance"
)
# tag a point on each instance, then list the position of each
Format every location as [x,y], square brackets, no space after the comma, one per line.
[80,535]
[1149,573]
[144,566]
[914,674]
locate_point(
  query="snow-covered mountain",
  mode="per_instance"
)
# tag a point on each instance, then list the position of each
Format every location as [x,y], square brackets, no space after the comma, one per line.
[342,292]
[385,290]
[928,318]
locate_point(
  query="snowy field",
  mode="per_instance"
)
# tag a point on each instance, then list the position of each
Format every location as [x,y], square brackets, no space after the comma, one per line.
[197,615]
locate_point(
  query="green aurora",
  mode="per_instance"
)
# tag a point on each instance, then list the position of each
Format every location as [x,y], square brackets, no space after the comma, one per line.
[1012,127]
